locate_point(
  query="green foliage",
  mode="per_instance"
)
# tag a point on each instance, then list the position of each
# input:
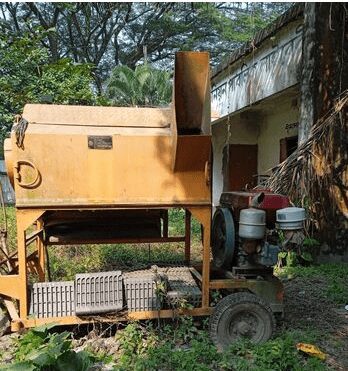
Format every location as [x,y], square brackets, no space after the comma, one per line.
[182,346]
[65,82]
[39,349]
[114,34]
[28,76]
[65,262]
[275,355]
[335,276]
[143,86]
[10,224]
[177,224]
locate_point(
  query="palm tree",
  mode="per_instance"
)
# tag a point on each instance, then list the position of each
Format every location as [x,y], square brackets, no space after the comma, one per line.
[144,86]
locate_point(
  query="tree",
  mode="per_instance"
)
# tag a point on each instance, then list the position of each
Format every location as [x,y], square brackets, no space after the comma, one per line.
[143,86]
[26,76]
[111,34]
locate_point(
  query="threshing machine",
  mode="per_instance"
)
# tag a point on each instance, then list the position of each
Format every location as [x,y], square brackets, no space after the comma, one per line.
[95,175]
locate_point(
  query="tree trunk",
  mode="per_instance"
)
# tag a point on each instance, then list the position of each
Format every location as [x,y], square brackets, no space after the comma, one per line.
[324,55]
[324,78]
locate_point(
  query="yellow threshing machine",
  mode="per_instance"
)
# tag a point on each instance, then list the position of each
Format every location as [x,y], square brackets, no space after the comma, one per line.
[109,175]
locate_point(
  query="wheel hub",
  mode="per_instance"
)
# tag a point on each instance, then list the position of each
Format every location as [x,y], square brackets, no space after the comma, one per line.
[246,324]
[243,328]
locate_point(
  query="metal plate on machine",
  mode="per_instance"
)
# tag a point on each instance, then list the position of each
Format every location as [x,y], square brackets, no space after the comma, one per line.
[100,142]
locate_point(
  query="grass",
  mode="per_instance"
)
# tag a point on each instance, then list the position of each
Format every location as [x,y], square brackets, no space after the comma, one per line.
[335,275]
[183,346]
[179,345]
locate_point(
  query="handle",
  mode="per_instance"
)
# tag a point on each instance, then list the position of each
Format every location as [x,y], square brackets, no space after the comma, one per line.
[18,177]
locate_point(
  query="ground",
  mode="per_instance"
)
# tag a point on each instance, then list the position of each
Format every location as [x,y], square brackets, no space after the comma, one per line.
[312,303]
[313,315]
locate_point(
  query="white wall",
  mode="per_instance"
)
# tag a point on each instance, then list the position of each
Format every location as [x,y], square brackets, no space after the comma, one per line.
[275,125]
[265,124]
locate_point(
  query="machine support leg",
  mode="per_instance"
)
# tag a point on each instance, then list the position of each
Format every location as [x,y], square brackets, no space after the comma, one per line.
[41,251]
[203,214]
[22,271]
[206,263]
[187,236]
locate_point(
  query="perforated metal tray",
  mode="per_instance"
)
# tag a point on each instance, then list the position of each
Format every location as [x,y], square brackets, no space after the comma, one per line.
[98,292]
[52,299]
[140,290]
[180,280]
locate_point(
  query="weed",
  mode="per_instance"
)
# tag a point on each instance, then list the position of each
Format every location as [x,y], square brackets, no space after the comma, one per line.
[335,276]
[275,355]
[40,350]
[185,347]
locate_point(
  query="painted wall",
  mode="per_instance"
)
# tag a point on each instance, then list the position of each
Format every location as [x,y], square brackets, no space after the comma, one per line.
[237,129]
[269,69]
[273,119]
[279,123]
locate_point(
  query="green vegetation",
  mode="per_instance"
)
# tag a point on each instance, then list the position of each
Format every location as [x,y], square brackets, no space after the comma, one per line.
[178,345]
[143,86]
[183,346]
[334,275]
[38,349]
[28,76]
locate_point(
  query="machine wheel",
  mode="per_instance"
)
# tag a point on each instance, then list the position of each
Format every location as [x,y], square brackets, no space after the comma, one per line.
[241,315]
[4,322]
[223,238]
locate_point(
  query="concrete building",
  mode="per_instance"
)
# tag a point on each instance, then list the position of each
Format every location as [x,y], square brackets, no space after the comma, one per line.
[288,89]
[256,97]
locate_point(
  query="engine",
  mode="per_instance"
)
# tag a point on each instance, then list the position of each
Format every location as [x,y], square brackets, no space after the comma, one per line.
[250,229]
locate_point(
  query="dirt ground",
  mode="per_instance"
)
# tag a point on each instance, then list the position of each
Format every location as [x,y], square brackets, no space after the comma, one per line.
[306,309]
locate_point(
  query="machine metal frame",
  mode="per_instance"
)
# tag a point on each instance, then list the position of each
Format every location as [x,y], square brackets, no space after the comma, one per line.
[14,286]
[171,146]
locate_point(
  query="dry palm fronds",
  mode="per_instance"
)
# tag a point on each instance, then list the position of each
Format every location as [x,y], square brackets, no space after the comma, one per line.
[315,175]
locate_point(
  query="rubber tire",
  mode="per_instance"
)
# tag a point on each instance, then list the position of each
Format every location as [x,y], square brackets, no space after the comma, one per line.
[232,305]
[4,322]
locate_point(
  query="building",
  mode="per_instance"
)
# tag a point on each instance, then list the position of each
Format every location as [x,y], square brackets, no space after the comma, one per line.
[256,96]
[270,97]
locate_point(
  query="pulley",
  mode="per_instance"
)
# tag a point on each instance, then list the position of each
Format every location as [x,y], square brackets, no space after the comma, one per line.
[223,238]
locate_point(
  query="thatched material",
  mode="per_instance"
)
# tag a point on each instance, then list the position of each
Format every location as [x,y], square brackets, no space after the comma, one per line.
[316,176]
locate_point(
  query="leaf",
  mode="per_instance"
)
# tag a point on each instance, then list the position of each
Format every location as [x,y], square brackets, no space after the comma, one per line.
[74,361]
[44,328]
[282,254]
[306,256]
[20,366]
[311,350]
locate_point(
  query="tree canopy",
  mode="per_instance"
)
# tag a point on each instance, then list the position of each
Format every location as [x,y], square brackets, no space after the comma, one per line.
[143,86]
[110,34]
[67,51]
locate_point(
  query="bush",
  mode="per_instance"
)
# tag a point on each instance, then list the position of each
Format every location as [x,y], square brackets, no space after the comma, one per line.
[40,350]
